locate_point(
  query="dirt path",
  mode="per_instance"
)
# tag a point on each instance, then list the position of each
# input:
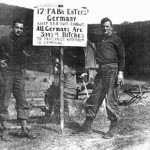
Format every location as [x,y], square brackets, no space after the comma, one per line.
[133,131]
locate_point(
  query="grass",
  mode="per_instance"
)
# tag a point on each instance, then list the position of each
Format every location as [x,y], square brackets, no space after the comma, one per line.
[133,129]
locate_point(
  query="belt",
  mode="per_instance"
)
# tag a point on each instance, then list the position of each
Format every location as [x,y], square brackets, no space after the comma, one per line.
[111,65]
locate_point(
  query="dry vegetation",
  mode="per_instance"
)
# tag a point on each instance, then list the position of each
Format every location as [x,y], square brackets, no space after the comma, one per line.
[133,128]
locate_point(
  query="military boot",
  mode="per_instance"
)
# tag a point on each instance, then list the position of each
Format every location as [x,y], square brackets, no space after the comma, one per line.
[111,131]
[87,125]
[25,131]
[5,132]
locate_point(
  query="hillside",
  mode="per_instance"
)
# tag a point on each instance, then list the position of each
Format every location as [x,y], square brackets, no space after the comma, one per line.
[9,13]
[135,36]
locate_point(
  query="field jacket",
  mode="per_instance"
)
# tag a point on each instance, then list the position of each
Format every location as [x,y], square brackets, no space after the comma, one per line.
[111,50]
[11,50]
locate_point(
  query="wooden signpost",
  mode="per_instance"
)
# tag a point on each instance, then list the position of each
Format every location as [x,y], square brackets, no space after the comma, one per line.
[61,79]
[60,26]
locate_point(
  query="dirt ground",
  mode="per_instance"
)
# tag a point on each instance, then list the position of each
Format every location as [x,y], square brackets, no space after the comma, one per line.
[133,130]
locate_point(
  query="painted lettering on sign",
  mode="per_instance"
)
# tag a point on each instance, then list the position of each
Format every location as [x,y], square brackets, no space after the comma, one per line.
[60,26]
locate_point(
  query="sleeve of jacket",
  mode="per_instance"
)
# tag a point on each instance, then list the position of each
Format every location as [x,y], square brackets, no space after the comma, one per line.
[121,54]
[3,47]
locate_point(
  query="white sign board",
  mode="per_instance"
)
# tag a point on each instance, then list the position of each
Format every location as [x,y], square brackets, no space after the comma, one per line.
[60,26]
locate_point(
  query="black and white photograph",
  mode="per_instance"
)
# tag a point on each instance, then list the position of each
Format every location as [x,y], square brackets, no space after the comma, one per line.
[74,75]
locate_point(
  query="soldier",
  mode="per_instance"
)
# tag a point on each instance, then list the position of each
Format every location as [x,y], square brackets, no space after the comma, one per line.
[110,56]
[12,64]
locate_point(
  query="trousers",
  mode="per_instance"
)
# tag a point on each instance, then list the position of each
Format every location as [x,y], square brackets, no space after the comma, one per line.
[13,82]
[104,88]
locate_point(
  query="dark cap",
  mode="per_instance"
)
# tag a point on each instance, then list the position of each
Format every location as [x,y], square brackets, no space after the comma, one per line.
[105,20]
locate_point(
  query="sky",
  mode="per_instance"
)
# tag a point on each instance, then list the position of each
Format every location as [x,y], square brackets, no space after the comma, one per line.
[117,10]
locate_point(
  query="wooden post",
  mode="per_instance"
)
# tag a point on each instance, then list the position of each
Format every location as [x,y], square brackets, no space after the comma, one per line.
[61,78]
[50,64]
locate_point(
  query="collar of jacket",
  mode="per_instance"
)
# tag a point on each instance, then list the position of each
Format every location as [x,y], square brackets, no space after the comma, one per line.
[107,36]
[15,37]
